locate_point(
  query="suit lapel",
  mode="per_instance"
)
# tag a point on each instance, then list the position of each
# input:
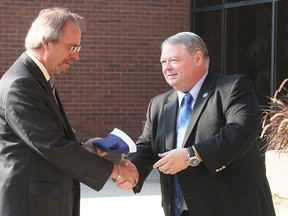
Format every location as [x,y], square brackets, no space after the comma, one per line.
[204,94]
[60,116]
[67,128]
[170,112]
[38,75]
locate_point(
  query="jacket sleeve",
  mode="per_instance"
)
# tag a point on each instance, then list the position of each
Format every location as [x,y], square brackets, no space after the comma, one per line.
[32,116]
[230,123]
[143,158]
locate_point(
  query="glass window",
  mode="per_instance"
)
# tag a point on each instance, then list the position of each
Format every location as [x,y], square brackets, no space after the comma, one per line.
[205,3]
[281,63]
[233,1]
[208,27]
[248,45]
[243,44]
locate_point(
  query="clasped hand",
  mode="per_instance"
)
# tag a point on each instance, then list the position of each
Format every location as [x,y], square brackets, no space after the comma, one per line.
[129,174]
[172,162]
[90,147]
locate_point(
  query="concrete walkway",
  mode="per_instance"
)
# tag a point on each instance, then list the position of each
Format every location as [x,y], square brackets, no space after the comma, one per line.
[111,201]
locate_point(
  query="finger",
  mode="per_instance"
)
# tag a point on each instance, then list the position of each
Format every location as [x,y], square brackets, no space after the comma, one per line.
[160,163]
[127,163]
[161,155]
[100,152]
[166,172]
[126,185]
[162,169]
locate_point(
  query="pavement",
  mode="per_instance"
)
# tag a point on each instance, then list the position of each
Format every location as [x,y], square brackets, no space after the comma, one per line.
[111,201]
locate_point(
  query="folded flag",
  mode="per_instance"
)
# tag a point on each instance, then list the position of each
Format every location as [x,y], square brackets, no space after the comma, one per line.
[117,142]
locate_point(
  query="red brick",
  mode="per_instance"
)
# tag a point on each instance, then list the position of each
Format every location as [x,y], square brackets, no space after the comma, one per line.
[118,71]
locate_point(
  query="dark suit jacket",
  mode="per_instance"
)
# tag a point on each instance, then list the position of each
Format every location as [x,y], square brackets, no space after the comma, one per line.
[224,125]
[41,162]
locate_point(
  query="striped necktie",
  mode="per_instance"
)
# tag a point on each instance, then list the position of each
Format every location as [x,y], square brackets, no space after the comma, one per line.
[52,85]
[181,129]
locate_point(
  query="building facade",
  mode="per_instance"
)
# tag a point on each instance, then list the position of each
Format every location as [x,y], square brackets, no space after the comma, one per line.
[119,69]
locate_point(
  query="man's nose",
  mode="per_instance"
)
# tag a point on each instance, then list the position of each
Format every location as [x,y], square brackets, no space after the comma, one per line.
[75,56]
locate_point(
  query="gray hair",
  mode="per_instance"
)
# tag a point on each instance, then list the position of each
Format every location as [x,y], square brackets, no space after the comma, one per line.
[49,25]
[191,41]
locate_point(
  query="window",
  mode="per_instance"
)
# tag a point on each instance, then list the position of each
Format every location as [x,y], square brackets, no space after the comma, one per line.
[211,35]
[281,35]
[206,3]
[248,45]
[248,37]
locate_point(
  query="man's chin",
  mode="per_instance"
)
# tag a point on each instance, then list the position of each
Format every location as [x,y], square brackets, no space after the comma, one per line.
[61,71]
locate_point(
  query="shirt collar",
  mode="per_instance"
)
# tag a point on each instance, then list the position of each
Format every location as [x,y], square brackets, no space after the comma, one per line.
[194,91]
[39,64]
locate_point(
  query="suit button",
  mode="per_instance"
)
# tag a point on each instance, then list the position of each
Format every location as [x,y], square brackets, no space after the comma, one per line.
[217,170]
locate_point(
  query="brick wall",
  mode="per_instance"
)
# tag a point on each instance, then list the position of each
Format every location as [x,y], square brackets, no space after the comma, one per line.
[118,71]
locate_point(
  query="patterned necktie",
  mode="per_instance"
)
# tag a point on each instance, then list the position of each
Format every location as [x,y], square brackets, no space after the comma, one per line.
[52,85]
[184,118]
[181,129]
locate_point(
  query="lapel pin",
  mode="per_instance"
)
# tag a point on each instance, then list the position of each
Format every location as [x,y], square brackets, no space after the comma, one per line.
[205,95]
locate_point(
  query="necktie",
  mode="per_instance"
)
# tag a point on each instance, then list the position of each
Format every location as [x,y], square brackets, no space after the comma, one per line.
[52,85]
[181,129]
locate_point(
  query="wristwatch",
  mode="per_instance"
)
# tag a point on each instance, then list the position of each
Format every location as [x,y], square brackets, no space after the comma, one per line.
[193,160]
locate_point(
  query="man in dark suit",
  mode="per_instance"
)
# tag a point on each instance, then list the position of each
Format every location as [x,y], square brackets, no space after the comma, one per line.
[217,161]
[41,162]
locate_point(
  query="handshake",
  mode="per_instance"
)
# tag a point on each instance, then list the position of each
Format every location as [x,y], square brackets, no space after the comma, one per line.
[116,144]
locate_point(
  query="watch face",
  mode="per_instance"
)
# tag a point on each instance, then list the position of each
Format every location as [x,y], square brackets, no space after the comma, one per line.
[194,161]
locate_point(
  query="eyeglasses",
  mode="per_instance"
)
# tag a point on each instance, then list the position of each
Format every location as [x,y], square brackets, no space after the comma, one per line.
[72,49]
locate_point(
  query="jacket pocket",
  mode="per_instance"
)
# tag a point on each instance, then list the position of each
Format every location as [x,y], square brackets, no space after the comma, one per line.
[243,186]
[47,199]
[45,188]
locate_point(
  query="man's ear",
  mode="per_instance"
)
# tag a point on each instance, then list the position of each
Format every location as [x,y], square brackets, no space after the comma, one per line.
[198,57]
[45,43]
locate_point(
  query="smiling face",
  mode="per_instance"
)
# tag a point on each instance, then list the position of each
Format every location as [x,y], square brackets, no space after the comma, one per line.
[180,68]
[58,55]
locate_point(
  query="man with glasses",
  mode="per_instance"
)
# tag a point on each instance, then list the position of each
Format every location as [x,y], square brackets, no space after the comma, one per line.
[72,48]
[41,161]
